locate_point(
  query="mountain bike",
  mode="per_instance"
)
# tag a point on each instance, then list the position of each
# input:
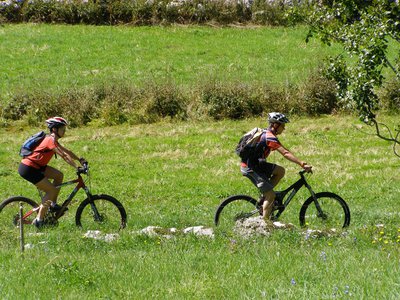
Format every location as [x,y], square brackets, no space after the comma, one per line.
[323,210]
[96,212]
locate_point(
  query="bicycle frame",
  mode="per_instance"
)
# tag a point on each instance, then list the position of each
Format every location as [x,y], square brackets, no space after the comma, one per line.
[294,188]
[80,185]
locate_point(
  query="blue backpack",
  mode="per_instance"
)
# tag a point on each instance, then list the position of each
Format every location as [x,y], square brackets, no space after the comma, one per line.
[31,143]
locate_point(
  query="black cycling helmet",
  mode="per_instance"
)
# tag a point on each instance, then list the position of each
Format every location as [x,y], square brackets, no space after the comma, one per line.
[276,117]
[56,122]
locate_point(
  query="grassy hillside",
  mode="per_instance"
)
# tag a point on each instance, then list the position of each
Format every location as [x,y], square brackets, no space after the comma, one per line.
[54,57]
[174,175]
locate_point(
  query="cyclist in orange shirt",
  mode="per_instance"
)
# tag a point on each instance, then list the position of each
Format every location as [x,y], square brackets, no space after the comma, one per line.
[35,169]
[264,175]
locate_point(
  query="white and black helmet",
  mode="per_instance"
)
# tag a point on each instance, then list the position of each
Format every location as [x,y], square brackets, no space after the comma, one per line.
[276,117]
[56,122]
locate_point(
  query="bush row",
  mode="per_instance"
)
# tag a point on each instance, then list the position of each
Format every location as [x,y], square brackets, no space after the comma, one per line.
[149,12]
[117,103]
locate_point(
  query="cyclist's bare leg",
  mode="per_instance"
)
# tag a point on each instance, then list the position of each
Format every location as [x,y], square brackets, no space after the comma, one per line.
[268,204]
[50,196]
[277,174]
[57,176]
[50,189]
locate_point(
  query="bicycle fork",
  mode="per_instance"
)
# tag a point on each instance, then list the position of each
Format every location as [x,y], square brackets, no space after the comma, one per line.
[321,214]
[96,215]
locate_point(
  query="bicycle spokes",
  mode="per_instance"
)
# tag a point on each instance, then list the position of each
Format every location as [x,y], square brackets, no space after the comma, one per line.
[235,209]
[325,211]
[97,217]
[245,215]
[10,215]
[101,212]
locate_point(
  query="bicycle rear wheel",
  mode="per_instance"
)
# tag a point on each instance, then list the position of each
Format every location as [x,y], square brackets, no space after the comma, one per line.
[101,212]
[328,212]
[234,208]
[9,211]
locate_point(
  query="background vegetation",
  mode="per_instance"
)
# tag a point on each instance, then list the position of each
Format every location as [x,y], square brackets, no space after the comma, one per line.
[174,174]
[137,75]
[149,12]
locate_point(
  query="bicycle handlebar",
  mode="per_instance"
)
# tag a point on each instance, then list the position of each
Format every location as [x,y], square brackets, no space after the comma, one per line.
[302,172]
[84,169]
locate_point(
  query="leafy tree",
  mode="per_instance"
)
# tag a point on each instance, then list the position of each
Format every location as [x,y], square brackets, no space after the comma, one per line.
[366,29]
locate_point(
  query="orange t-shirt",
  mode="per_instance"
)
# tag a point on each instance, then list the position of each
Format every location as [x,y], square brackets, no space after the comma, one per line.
[42,153]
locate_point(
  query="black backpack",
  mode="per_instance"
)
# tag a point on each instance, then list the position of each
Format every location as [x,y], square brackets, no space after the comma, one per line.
[249,145]
[31,143]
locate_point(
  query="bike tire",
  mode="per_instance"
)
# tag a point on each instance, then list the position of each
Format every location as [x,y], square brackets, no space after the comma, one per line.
[234,208]
[9,211]
[101,212]
[336,212]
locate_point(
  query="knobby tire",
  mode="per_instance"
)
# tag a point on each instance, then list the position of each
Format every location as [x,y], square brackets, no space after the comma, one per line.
[101,212]
[9,210]
[234,208]
[336,212]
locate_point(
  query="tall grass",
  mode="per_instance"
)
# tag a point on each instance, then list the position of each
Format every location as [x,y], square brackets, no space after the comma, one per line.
[174,174]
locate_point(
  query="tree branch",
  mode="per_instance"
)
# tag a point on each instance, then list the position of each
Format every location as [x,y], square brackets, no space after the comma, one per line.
[388,63]
[395,144]
[395,140]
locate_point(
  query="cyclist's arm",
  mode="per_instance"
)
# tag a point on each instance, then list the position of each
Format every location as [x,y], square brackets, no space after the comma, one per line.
[67,155]
[291,157]
[69,152]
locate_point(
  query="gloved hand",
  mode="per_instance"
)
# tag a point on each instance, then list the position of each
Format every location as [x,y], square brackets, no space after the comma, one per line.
[83,161]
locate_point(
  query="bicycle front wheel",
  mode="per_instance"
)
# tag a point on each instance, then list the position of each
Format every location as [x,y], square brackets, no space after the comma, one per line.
[9,211]
[234,208]
[327,211]
[101,212]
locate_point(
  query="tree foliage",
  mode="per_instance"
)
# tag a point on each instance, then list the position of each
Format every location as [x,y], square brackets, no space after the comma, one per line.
[367,30]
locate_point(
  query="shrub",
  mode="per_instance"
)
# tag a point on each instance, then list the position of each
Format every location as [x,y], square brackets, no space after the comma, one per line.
[283,99]
[319,95]
[41,11]
[17,107]
[142,13]
[390,96]
[10,11]
[115,103]
[147,12]
[234,101]
[278,13]
[78,106]
[166,101]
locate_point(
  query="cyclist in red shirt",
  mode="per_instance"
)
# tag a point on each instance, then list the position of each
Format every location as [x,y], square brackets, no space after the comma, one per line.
[34,167]
[264,175]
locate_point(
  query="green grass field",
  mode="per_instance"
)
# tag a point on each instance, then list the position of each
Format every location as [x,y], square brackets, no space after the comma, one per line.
[174,175]
[55,57]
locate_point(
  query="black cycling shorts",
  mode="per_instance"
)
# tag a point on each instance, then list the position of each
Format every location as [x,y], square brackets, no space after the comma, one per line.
[31,174]
[260,176]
